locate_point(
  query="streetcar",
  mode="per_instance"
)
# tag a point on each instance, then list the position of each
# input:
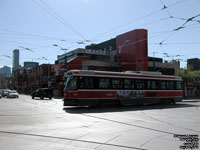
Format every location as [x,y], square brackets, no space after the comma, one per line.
[93,88]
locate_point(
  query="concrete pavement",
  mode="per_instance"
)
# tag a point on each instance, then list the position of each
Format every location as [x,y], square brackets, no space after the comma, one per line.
[44,124]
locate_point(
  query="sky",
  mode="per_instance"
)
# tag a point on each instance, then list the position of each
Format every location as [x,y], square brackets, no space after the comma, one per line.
[40,29]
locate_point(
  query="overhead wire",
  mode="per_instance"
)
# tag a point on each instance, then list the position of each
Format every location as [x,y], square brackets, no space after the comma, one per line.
[152,14]
[179,28]
[136,19]
[141,25]
[28,34]
[166,8]
[140,18]
[17,42]
[55,15]
[190,19]
[124,24]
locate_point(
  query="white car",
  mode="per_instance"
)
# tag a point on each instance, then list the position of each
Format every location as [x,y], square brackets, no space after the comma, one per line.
[13,94]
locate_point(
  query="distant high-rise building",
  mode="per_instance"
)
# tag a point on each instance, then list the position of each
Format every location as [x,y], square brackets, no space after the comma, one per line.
[6,71]
[15,59]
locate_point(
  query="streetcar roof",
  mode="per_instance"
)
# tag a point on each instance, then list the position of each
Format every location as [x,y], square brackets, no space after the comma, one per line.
[153,75]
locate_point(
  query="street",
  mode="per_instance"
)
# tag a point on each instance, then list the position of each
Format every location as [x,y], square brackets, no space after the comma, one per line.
[33,124]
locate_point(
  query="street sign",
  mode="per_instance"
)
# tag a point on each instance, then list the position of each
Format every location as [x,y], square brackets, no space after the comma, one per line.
[63,69]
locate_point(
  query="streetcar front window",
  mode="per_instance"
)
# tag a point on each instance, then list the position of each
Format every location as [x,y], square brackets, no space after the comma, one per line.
[71,83]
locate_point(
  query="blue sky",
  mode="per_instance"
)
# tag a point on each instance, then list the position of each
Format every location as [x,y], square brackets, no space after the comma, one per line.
[32,24]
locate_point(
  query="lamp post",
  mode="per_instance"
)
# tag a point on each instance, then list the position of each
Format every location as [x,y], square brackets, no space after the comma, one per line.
[119,55]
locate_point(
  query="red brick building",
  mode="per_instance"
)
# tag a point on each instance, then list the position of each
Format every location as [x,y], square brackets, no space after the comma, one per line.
[134,51]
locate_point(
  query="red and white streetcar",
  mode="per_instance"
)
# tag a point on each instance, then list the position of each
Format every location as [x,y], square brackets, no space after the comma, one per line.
[91,88]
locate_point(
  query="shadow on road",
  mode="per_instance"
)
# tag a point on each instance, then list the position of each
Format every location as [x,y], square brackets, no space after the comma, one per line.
[78,110]
[44,99]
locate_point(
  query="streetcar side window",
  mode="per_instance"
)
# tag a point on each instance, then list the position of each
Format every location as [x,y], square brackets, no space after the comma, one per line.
[162,85]
[86,83]
[128,83]
[152,84]
[178,85]
[139,84]
[117,83]
[104,83]
[148,84]
[170,85]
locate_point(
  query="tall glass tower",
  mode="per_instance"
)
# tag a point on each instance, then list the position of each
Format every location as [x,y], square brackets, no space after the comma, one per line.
[15,59]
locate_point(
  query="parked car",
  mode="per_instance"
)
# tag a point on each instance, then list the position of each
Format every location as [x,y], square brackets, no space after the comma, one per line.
[12,94]
[5,92]
[42,93]
[1,90]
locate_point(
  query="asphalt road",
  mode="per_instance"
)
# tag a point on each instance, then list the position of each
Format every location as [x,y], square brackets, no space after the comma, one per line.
[27,124]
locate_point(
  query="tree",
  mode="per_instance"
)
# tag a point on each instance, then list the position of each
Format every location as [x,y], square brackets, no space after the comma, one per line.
[188,74]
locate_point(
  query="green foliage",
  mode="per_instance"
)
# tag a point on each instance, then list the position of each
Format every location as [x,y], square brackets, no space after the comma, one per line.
[188,74]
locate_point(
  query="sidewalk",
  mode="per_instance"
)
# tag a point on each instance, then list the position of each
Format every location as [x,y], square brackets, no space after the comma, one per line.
[191,99]
[188,98]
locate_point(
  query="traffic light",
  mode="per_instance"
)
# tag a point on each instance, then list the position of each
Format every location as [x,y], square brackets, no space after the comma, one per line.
[52,68]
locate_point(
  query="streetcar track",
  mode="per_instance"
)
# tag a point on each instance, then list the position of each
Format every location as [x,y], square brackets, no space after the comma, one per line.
[109,140]
[34,114]
[54,104]
[71,139]
[133,125]
[149,140]
[168,122]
